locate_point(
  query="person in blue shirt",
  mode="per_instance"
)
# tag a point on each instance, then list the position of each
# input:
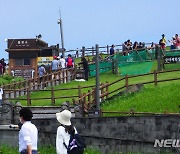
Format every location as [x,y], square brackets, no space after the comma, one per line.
[42,72]
[112,50]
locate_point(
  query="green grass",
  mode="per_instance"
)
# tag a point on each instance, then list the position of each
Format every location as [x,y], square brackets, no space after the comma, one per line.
[156,99]
[108,76]
[6,79]
[5,149]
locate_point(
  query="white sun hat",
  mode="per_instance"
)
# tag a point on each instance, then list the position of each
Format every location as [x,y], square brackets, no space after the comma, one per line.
[64,117]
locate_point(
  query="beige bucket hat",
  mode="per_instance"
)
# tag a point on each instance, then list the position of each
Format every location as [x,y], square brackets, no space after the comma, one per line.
[64,117]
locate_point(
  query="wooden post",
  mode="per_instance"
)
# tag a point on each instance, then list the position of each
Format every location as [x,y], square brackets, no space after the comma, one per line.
[28,97]
[83,105]
[155,78]
[14,87]
[126,81]
[9,92]
[55,78]
[34,83]
[107,89]
[93,95]
[74,72]
[51,82]
[67,75]
[79,92]
[63,76]
[59,76]
[20,87]
[49,79]
[116,66]
[102,92]
[89,99]
[83,51]
[107,49]
[71,74]
[38,83]
[52,96]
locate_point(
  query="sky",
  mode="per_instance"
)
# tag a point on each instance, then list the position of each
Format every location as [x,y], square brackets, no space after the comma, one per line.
[88,22]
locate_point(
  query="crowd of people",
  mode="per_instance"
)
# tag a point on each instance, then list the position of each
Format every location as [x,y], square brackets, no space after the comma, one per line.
[67,138]
[59,63]
[175,42]
[128,46]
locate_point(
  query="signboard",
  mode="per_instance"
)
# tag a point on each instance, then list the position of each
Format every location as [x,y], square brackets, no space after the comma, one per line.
[26,73]
[26,44]
[44,61]
[171,59]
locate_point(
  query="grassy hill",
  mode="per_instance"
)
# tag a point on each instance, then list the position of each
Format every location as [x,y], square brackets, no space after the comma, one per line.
[152,99]
[164,98]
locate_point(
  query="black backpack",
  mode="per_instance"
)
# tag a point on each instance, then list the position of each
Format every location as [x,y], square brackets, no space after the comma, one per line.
[76,144]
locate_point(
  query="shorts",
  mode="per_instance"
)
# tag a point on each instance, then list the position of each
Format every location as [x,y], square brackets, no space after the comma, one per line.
[25,152]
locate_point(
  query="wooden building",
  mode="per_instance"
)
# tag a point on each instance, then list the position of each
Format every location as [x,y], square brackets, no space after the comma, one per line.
[25,55]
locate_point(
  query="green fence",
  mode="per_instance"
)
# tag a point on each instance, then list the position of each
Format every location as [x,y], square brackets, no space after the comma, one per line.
[137,62]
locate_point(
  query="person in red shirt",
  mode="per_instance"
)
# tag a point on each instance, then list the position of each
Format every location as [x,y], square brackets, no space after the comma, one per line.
[69,62]
[177,45]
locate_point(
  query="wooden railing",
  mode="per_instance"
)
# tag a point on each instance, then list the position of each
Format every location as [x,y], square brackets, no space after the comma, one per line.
[90,51]
[14,90]
[87,100]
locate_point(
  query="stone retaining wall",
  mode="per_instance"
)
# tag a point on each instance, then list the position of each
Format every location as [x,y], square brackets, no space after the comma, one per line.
[122,134]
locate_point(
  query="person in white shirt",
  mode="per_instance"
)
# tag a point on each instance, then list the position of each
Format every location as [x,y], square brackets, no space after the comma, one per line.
[64,131]
[28,134]
[62,62]
[1,93]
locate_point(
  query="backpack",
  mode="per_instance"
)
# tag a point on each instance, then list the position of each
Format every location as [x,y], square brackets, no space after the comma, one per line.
[69,62]
[76,144]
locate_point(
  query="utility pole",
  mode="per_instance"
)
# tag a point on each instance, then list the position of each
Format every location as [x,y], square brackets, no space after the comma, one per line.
[61,31]
[97,80]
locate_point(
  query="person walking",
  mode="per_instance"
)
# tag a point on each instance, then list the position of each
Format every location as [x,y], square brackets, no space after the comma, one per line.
[69,61]
[28,134]
[62,62]
[112,50]
[85,67]
[55,64]
[42,72]
[64,133]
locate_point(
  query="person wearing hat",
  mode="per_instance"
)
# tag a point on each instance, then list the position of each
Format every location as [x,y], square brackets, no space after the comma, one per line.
[64,131]
[28,134]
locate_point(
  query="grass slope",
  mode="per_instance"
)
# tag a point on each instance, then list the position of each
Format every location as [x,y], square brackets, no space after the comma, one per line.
[112,77]
[155,99]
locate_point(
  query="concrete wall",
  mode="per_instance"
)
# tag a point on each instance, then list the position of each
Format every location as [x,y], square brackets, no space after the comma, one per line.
[121,134]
